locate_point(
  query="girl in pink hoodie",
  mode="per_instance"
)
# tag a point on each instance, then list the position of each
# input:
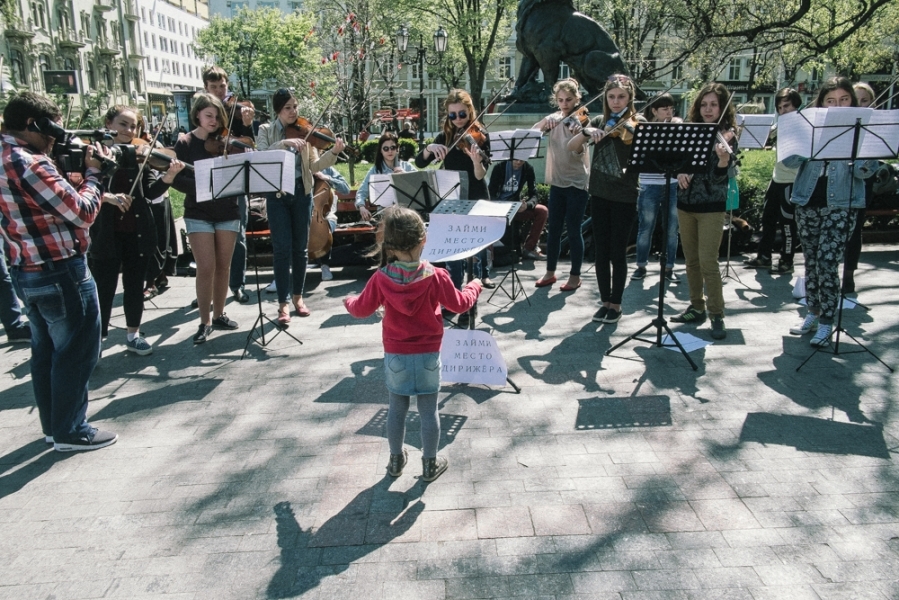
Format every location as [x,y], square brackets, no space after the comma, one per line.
[411,292]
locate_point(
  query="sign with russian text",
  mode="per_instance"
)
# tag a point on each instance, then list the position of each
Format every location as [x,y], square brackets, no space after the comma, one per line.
[454,237]
[471,356]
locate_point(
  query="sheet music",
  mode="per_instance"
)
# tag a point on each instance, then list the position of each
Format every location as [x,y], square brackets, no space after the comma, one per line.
[524,143]
[454,236]
[754,130]
[449,184]
[835,138]
[223,177]
[881,138]
[795,132]
[380,191]
[490,208]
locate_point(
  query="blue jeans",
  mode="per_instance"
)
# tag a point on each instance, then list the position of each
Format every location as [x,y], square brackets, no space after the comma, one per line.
[239,258]
[649,206]
[10,310]
[289,218]
[61,303]
[566,205]
[458,269]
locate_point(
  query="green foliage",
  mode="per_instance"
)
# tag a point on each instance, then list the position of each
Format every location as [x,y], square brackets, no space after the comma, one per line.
[262,46]
[177,200]
[408,149]
[756,167]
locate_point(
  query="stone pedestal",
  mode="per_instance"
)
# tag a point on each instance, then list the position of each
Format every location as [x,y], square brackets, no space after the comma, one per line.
[521,120]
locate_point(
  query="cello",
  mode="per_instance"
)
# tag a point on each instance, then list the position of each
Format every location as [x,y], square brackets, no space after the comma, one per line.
[320,238]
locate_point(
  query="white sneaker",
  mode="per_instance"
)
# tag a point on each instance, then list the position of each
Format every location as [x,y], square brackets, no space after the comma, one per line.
[806,325]
[271,288]
[822,337]
[327,275]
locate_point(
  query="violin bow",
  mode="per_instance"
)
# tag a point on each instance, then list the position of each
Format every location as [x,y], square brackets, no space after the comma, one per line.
[143,165]
[720,118]
[648,104]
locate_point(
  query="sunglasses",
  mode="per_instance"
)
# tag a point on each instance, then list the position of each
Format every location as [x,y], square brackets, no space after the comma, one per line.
[462,115]
[388,148]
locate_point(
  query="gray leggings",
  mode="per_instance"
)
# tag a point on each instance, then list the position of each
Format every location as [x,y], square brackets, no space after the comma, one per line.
[430,423]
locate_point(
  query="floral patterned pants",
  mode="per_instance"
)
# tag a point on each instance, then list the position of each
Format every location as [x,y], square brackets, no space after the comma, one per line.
[824,232]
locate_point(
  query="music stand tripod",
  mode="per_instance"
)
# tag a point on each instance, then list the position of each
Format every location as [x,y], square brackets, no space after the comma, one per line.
[836,331]
[669,149]
[253,182]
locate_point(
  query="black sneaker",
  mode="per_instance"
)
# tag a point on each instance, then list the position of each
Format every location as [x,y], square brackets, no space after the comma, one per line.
[600,315]
[691,315]
[94,439]
[639,273]
[782,268]
[718,330]
[432,468]
[397,463]
[463,321]
[224,322]
[671,276]
[20,335]
[612,316]
[202,334]
[761,262]
[240,295]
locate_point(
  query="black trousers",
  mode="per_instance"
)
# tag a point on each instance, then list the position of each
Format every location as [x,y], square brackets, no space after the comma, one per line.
[133,267]
[612,224]
[778,213]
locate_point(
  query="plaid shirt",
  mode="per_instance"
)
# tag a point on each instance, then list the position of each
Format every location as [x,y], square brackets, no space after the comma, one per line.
[43,218]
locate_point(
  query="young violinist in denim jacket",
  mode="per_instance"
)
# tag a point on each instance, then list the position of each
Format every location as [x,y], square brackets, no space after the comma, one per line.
[828,196]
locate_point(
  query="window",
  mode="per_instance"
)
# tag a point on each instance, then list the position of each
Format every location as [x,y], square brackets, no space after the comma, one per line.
[505,67]
[415,72]
[63,15]
[236,6]
[135,75]
[86,24]
[171,24]
[161,21]
[44,62]
[143,14]
[735,69]
[156,65]
[564,71]
[92,75]
[107,76]
[177,69]
[182,49]
[20,73]
[677,73]
[154,41]
[146,39]
[180,29]
[69,64]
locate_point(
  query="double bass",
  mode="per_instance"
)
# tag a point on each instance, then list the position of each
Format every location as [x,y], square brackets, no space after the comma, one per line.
[320,238]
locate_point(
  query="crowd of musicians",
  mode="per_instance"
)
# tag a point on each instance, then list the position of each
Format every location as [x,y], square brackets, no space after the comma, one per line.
[68,241]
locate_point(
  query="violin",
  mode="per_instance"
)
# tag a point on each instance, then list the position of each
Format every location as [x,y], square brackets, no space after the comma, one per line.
[321,138]
[476,137]
[231,100]
[157,158]
[216,143]
[624,130]
[580,116]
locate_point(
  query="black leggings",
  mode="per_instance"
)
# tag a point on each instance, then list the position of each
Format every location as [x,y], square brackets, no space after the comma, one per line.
[612,223]
[106,273]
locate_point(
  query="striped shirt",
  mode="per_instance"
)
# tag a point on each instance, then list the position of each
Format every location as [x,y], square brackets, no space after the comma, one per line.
[43,218]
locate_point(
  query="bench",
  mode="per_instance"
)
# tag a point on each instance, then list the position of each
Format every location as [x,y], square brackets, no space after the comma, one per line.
[348,223]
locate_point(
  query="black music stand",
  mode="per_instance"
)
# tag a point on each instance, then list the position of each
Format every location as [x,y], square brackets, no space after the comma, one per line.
[878,148]
[421,191]
[669,148]
[506,145]
[246,177]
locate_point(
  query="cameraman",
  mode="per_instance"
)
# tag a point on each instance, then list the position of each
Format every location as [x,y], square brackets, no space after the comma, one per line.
[45,222]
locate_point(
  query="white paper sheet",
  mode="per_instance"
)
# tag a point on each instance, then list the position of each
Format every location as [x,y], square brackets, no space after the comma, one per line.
[491,208]
[829,133]
[526,142]
[690,342]
[755,130]
[222,177]
[471,356]
[454,237]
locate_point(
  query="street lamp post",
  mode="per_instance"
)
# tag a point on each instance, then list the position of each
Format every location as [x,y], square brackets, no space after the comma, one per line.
[402,43]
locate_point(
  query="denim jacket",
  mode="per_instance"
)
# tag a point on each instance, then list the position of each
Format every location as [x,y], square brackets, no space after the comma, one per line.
[839,181]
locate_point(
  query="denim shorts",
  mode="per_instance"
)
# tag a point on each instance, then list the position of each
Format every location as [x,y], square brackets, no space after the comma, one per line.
[198,226]
[412,374]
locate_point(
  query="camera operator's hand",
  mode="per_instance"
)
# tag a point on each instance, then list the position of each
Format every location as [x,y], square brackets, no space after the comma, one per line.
[94,150]
[121,201]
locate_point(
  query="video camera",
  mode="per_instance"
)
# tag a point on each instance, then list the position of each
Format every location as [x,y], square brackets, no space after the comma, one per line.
[70,147]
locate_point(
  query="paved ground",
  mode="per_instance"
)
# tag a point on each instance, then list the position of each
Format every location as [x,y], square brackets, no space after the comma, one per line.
[626,478]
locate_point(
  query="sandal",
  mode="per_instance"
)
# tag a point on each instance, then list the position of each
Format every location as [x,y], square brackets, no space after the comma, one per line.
[150,293]
[283,317]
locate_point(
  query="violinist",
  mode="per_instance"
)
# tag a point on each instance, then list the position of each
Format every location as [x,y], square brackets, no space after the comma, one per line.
[215,82]
[387,161]
[123,238]
[212,226]
[701,204]
[567,173]
[652,194]
[458,154]
[613,190]
[289,215]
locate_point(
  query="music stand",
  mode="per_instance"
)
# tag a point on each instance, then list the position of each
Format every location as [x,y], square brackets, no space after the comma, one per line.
[669,148]
[831,136]
[521,144]
[421,191]
[245,174]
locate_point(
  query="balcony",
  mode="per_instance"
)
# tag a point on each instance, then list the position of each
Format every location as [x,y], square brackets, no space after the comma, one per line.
[105,48]
[131,12]
[136,52]
[102,6]
[70,39]
[16,30]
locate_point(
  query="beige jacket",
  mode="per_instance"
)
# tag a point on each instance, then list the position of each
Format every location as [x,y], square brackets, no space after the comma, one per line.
[271,137]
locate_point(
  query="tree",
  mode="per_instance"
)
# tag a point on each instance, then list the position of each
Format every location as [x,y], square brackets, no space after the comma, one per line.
[476,26]
[258,46]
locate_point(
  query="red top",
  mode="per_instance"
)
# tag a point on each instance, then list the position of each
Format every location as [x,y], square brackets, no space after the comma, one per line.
[412,321]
